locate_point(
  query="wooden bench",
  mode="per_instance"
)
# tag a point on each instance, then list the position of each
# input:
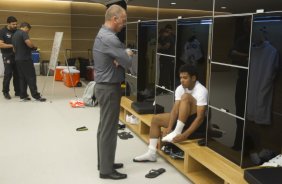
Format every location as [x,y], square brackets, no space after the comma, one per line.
[200,164]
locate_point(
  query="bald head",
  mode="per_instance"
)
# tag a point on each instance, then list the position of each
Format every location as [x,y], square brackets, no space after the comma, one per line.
[114,11]
[115,18]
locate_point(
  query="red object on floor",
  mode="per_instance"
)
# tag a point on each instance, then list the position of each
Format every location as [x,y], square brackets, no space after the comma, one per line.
[77,103]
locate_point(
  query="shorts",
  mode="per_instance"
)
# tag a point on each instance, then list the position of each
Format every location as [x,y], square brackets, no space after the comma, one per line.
[199,133]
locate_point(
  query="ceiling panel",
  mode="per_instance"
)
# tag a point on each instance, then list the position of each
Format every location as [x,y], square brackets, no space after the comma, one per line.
[230,6]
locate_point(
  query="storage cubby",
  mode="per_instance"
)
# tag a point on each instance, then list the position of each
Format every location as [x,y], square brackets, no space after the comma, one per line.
[200,164]
[245,78]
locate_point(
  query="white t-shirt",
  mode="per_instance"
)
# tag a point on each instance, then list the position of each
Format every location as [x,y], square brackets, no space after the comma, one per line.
[199,92]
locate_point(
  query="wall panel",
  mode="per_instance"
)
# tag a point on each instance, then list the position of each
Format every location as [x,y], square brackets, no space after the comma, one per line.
[45,17]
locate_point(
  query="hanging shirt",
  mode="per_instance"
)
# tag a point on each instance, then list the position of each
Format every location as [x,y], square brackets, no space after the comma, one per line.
[192,52]
[263,67]
[134,68]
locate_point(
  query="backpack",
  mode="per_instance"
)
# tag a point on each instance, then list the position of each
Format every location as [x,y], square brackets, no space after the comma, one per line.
[88,97]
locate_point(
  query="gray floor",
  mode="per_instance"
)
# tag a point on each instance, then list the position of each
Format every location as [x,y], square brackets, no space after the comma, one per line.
[39,144]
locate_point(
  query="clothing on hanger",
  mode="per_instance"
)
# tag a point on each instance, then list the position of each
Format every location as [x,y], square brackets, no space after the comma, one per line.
[264,64]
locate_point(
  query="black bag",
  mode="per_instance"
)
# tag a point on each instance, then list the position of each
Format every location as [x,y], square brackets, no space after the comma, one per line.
[146,108]
[263,175]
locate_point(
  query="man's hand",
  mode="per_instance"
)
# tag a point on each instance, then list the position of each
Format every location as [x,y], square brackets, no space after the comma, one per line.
[115,63]
[129,52]
[179,138]
[166,131]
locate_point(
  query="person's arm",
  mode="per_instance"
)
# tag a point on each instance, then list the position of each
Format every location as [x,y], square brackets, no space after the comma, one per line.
[114,48]
[173,118]
[194,126]
[3,45]
[29,43]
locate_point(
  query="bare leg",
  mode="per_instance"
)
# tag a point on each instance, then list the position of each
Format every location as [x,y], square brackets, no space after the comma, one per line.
[158,121]
[187,107]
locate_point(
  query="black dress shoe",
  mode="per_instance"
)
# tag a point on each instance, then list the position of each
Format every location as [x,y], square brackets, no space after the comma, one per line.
[114,175]
[7,96]
[115,166]
[40,99]
[118,165]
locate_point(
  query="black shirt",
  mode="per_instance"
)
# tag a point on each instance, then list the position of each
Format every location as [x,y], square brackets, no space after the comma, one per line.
[163,40]
[22,51]
[6,37]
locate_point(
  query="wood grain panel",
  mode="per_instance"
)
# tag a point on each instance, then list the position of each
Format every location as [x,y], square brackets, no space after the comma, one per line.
[36,6]
[45,17]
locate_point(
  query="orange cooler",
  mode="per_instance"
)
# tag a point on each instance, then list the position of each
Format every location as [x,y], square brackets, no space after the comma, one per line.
[71,77]
[59,72]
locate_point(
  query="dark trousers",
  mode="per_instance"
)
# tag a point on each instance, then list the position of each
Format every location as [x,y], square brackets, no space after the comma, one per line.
[108,96]
[9,72]
[27,78]
[200,132]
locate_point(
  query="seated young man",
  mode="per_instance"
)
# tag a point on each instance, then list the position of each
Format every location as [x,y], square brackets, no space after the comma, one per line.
[188,113]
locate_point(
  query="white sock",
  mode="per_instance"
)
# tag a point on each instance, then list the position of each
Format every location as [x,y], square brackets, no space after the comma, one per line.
[169,137]
[153,142]
[150,155]
[179,127]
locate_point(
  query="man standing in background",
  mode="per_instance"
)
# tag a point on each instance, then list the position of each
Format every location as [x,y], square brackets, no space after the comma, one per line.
[111,58]
[23,47]
[9,58]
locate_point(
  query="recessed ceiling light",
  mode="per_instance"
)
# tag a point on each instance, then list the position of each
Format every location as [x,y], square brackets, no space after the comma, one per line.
[223,7]
[172,3]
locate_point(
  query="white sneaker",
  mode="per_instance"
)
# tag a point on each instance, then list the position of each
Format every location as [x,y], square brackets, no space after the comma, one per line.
[128,118]
[147,157]
[169,137]
[133,120]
